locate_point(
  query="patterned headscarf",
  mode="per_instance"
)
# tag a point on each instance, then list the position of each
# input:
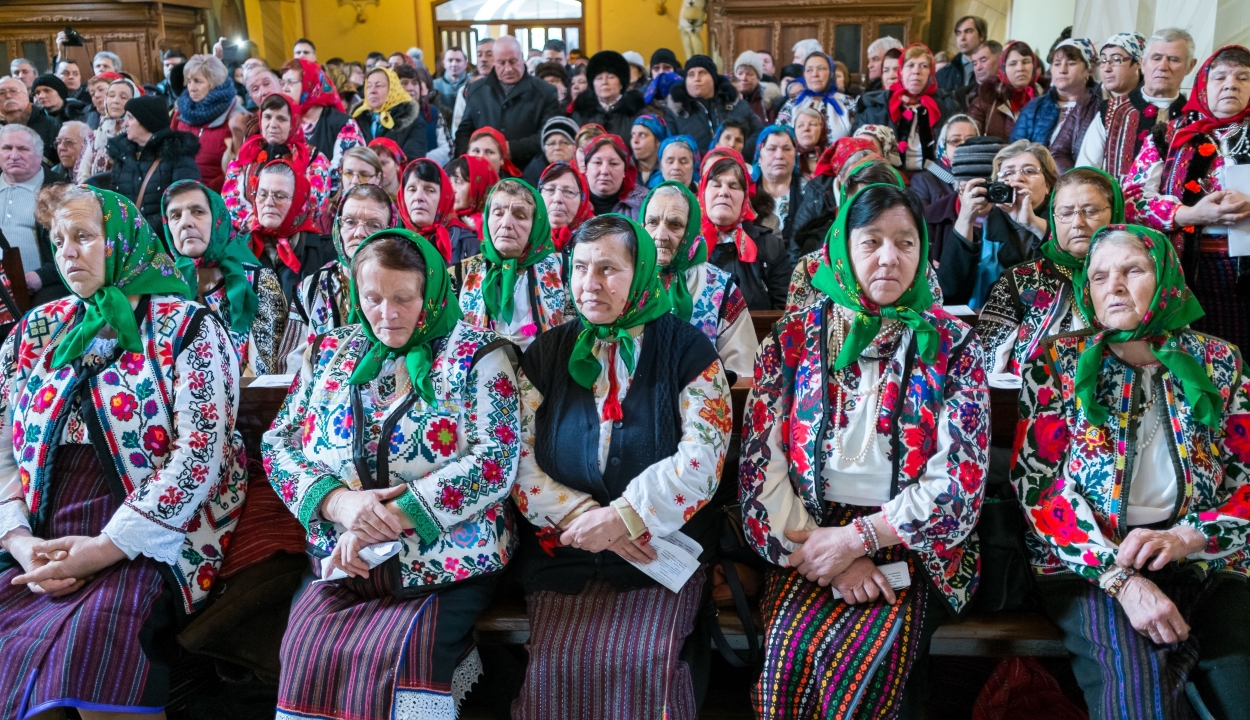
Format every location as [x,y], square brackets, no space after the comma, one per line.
[1130,42]
[226,251]
[900,99]
[689,252]
[482,177]
[1172,308]
[660,86]
[836,278]
[501,273]
[436,231]
[829,96]
[711,232]
[505,150]
[1018,97]
[256,151]
[1197,111]
[618,145]
[135,264]
[316,89]
[390,146]
[836,155]
[395,96]
[299,218]
[1084,47]
[887,140]
[438,320]
[654,124]
[647,301]
[560,236]
[1062,257]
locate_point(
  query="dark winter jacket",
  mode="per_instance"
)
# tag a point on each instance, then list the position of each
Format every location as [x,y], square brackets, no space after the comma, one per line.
[519,116]
[874,109]
[71,110]
[1038,119]
[408,131]
[618,121]
[326,131]
[699,118]
[176,151]
[933,183]
[816,213]
[765,282]
[951,77]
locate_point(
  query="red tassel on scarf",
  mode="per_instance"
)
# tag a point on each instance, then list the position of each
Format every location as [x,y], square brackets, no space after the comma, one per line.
[287,255]
[612,404]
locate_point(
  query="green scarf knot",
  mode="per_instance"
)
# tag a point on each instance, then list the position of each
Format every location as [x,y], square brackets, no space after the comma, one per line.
[499,283]
[690,252]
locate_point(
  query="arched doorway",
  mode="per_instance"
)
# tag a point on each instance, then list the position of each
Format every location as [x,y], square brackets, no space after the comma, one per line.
[460,23]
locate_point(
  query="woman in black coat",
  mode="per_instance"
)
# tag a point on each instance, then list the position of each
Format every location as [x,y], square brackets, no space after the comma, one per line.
[607,101]
[149,146]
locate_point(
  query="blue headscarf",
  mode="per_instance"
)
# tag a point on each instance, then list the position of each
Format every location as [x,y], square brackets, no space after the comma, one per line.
[655,124]
[756,172]
[830,96]
[660,86]
[688,142]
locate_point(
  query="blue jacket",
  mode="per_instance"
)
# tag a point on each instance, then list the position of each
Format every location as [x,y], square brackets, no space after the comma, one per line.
[1037,119]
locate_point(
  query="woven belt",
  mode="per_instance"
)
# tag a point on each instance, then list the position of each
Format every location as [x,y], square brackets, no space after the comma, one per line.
[1213,244]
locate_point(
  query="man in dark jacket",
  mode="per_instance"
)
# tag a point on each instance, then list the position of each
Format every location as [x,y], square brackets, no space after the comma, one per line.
[970,32]
[607,102]
[52,95]
[150,157]
[511,101]
[706,100]
[15,107]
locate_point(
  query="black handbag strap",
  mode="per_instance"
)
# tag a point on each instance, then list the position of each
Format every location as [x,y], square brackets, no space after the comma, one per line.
[729,544]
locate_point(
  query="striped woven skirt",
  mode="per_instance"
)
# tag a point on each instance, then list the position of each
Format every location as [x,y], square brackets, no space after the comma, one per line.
[354,651]
[609,655]
[102,648]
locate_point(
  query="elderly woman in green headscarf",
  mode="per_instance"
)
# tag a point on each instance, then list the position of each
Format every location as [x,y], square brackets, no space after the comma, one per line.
[322,301]
[625,418]
[515,286]
[224,274]
[1133,456]
[120,476]
[701,293]
[1033,300]
[396,449]
[864,450]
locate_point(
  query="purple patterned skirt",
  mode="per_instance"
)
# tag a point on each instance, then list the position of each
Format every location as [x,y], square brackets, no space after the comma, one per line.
[93,649]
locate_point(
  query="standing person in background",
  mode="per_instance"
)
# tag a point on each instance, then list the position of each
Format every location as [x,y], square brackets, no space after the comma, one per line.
[876,57]
[804,48]
[53,96]
[704,101]
[559,138]
[1123,123]
[610,101]
[16,109]
[970,32]
[770,71]
[663,61]
[914,108]
[557,76]
[71,75]
[304,50]
[485,57]
[749,80]
[204,109]
[150,156]
[556,51]
[984,65]
[97,87]
[821,93]
[170,59]
[455,75]
[511,100]
[322,115]
[1059,118]
[71,140]
[106,62]
[95,157]
[388,112]
[999,101]
[23,70]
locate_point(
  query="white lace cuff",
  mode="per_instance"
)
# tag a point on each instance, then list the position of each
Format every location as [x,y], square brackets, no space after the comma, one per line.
[12,517]
[136,535]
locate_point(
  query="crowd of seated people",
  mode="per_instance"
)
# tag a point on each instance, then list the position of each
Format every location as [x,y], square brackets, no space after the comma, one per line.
[511,301]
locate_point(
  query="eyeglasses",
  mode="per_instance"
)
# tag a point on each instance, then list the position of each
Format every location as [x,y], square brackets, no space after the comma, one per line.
[1028,171]
[9,91]
[557,143]
[1068,215]
[277,197]
[351,223]
[358,176]
[1115,60]
[551,190]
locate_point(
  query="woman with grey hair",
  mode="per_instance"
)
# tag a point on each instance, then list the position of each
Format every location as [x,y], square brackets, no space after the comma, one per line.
[204,109]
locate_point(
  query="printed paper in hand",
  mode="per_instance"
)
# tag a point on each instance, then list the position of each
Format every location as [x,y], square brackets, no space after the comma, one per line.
[678,558]
[896,573]
[374,555]
[282,381]
[1237,177]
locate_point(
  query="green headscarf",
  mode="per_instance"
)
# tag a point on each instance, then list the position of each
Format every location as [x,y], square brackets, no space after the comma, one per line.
[135,264]
[688,254]
[441,313]
[501,273]
[647,301]
[226,251]
[898,177]
[1062,257]
[836,278]
[1172,308]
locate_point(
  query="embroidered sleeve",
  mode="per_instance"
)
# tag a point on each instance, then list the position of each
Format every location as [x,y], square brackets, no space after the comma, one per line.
[299,481]
[667,494]
[319,183]
[1225,521]
[13,510]
[269,327]
[940,510]
[770,505]
[154,518]
[1057,512]
[735,335]
[1144,202]
[999,324]
[801,293]
[482,476]
[232,191]
[348,138]
[537,496]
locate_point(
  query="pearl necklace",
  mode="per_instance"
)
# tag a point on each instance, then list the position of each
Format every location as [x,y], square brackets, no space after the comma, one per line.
[884,338]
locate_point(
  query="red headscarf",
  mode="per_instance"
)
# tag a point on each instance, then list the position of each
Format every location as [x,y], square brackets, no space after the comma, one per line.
[436,231]
[392,147]
[835,157]
[747,251]
[298,219]
[1197,109]
[508,167]
[631,170]
[561,235]
[254,151]
[1019,97]
[900,98]
[482,177]
[316,89]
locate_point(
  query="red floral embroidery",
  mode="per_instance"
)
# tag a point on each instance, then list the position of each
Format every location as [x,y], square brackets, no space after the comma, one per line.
[1056,519]
[205,576]
[442,437]
[1238,438]
[123,406]
[1050,433]
[43,399]
[156,440]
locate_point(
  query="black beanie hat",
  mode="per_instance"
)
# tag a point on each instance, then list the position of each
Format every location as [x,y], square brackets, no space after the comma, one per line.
[151,112]
[664,55]
[608,61]
[792,71]
[52,81]
[702,61]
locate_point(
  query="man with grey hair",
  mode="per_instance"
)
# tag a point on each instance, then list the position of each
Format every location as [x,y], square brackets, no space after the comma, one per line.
[803,48]
[70,141]
[510,100]
[876,57]
[1115,136]
[105,61]
[21,177]
[17,109]
[23,70]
